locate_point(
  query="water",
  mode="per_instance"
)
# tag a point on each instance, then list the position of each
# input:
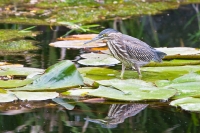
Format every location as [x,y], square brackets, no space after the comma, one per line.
[166,29]
[150,120]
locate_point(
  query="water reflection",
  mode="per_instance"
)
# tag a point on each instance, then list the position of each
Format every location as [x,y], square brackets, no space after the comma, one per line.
[117,114]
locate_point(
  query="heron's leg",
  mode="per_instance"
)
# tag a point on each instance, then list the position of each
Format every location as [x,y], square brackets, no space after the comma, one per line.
[137,68]
[122,72]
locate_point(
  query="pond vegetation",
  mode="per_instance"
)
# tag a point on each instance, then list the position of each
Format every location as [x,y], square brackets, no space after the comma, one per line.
[86,79]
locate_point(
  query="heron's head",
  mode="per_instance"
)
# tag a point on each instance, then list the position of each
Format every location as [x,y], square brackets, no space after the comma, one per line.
[104,35]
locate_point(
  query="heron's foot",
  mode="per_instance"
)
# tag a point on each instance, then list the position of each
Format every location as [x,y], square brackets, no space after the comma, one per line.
[122,76]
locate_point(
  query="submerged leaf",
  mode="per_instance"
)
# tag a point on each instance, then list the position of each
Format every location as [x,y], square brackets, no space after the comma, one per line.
[64,103]
[61,75]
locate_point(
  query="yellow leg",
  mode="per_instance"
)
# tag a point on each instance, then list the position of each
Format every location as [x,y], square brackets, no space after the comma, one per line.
[123,70]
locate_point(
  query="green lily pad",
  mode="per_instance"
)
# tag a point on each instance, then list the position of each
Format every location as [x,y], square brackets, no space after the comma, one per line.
[128,84]
[174,62]
[20,71]
[187,68]
[148,93]
[7,98]
[191,77]
[94,59]
[14,83]
[61,75]
[187,103]
[179,51]
[98,73]
[77,92]
[32,96]
[95,55]
[186,85]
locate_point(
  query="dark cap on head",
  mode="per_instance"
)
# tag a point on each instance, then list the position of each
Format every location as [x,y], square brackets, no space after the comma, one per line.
[107,31]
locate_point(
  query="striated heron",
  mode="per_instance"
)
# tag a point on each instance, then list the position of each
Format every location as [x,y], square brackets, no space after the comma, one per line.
[131,51]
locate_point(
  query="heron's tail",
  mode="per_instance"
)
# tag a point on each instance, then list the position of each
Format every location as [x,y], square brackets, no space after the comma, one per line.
[160,55]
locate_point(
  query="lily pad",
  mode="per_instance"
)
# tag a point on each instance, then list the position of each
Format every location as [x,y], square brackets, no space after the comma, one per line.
[174,62]
[20,71]
[152,93]
[77,92]
[14,83]
[180,51]
[148,73]
[77,44]
[187,103]
[128,84]
[32,96]
[187,68]
[61,75]
[7,98]
[186,85]
[191,77]
[94,59]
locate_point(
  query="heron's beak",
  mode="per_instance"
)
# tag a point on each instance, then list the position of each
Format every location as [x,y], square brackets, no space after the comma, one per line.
[94,39]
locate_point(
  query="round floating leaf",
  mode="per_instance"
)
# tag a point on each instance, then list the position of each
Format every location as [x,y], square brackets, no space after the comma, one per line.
[175,62]
[21,71]
[95,56]
[128,84]
[61,75]
[187,103]
[14,83]
[179,51]
[152,93]
[77,92]
[186,85]
[94,59]
[30,96]
[170,69]
[76,44]
[191,77]
[7,98]
[161,83]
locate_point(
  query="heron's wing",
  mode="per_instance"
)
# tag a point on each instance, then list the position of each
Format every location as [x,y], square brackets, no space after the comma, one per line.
[138,50]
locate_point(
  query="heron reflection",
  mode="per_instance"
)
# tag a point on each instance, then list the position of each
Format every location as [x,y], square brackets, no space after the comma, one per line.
[117,114]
